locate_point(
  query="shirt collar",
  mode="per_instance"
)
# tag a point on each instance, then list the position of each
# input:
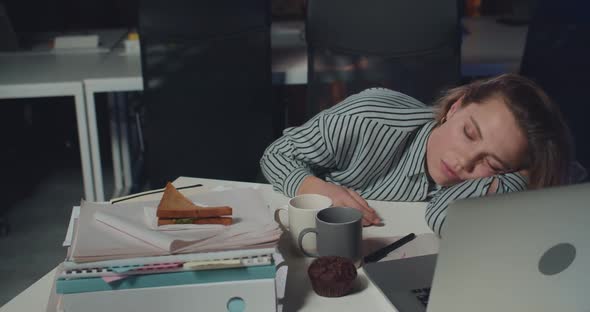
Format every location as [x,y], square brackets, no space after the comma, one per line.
[418,149]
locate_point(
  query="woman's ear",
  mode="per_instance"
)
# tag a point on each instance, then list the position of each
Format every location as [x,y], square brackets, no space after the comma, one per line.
[454,107]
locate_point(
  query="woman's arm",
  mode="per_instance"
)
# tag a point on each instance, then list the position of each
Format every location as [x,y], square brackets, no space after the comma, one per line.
[294,162]
[436,210]
[301,152]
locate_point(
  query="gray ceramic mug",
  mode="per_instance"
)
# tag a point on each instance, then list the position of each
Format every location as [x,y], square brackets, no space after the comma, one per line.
[339,232]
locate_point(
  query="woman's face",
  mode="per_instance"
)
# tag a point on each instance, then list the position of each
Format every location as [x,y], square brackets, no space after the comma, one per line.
[477,140]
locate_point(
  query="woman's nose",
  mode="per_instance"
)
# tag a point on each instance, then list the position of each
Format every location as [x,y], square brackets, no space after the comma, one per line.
[466,162]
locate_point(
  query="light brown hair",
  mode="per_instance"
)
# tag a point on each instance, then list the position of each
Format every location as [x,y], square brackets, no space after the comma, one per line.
[549,142]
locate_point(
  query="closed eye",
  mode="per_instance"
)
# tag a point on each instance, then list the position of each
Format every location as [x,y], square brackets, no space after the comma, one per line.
[467,134]
[495,168]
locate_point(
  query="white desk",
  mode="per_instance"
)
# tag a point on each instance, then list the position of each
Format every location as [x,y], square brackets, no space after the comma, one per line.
[116,73]
[399,219]
[29,76]
[44,73]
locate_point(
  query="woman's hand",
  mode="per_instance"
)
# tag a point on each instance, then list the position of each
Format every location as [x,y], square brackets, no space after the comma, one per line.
[341,197]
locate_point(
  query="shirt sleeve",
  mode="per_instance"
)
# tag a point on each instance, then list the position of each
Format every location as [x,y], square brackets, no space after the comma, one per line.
[301,151]
[436,211]
[336,139]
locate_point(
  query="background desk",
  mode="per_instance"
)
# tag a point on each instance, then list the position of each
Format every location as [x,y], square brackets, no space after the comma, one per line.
[399,218]
[29,76]
[43,73]
[116,73]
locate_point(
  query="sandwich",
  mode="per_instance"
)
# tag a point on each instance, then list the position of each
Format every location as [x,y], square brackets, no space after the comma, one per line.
[175,208]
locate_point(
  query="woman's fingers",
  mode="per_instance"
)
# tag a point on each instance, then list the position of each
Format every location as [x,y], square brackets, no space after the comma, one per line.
[360,200]
[369,213]
[348,201]
[342,196]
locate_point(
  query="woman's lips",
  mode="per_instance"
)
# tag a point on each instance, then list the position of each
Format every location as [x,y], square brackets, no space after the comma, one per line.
[448,171]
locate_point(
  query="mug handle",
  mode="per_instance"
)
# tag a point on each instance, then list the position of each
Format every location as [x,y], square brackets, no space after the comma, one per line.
[277,268]
[300,242]
[277,217]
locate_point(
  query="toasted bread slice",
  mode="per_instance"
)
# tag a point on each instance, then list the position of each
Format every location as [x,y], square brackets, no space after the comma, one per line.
[213,220]
[173,201]
[199,212]
[175,205]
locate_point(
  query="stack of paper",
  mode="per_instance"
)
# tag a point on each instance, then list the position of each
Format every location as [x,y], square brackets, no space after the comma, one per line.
[124,230]
[118,254]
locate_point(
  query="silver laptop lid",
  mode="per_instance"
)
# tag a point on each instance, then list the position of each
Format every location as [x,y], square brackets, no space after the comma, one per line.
[526,251]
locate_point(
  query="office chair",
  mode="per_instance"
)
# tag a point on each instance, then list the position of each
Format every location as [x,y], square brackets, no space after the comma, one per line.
[408,46]
[207,88]
[555,56]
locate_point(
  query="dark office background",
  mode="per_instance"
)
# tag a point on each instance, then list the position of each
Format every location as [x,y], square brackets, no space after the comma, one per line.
[66,15]
[39,144]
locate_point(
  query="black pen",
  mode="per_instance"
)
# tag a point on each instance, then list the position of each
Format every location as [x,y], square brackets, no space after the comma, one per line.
[381,253]
[152,192]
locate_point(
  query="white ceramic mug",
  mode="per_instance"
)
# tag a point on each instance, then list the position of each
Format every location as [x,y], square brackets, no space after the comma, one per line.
[302,210]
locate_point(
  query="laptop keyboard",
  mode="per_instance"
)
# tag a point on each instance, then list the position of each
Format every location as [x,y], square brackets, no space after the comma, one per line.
[422,294]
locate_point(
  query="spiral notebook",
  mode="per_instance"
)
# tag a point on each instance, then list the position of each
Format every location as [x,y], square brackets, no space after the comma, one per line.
[165,264]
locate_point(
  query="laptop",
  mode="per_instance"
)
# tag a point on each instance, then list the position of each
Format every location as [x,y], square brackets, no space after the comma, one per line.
[405,282]
[524,251]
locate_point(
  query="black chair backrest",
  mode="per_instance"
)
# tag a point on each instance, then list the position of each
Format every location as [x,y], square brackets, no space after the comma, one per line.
[409,46]
[207,88]
[202,19]
[555,56]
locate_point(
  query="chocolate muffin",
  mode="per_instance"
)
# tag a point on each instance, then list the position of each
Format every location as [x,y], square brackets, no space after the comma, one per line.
[332,276]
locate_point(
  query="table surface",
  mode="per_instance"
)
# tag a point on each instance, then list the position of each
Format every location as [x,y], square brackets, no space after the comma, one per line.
[399,219]
[55,68]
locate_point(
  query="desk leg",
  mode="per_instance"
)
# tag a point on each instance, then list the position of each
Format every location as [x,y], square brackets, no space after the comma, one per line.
[85,156]
[95,145]
[124,132]
[115,145]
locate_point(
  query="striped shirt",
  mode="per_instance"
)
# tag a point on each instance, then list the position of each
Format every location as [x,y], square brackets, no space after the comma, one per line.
[373,142]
